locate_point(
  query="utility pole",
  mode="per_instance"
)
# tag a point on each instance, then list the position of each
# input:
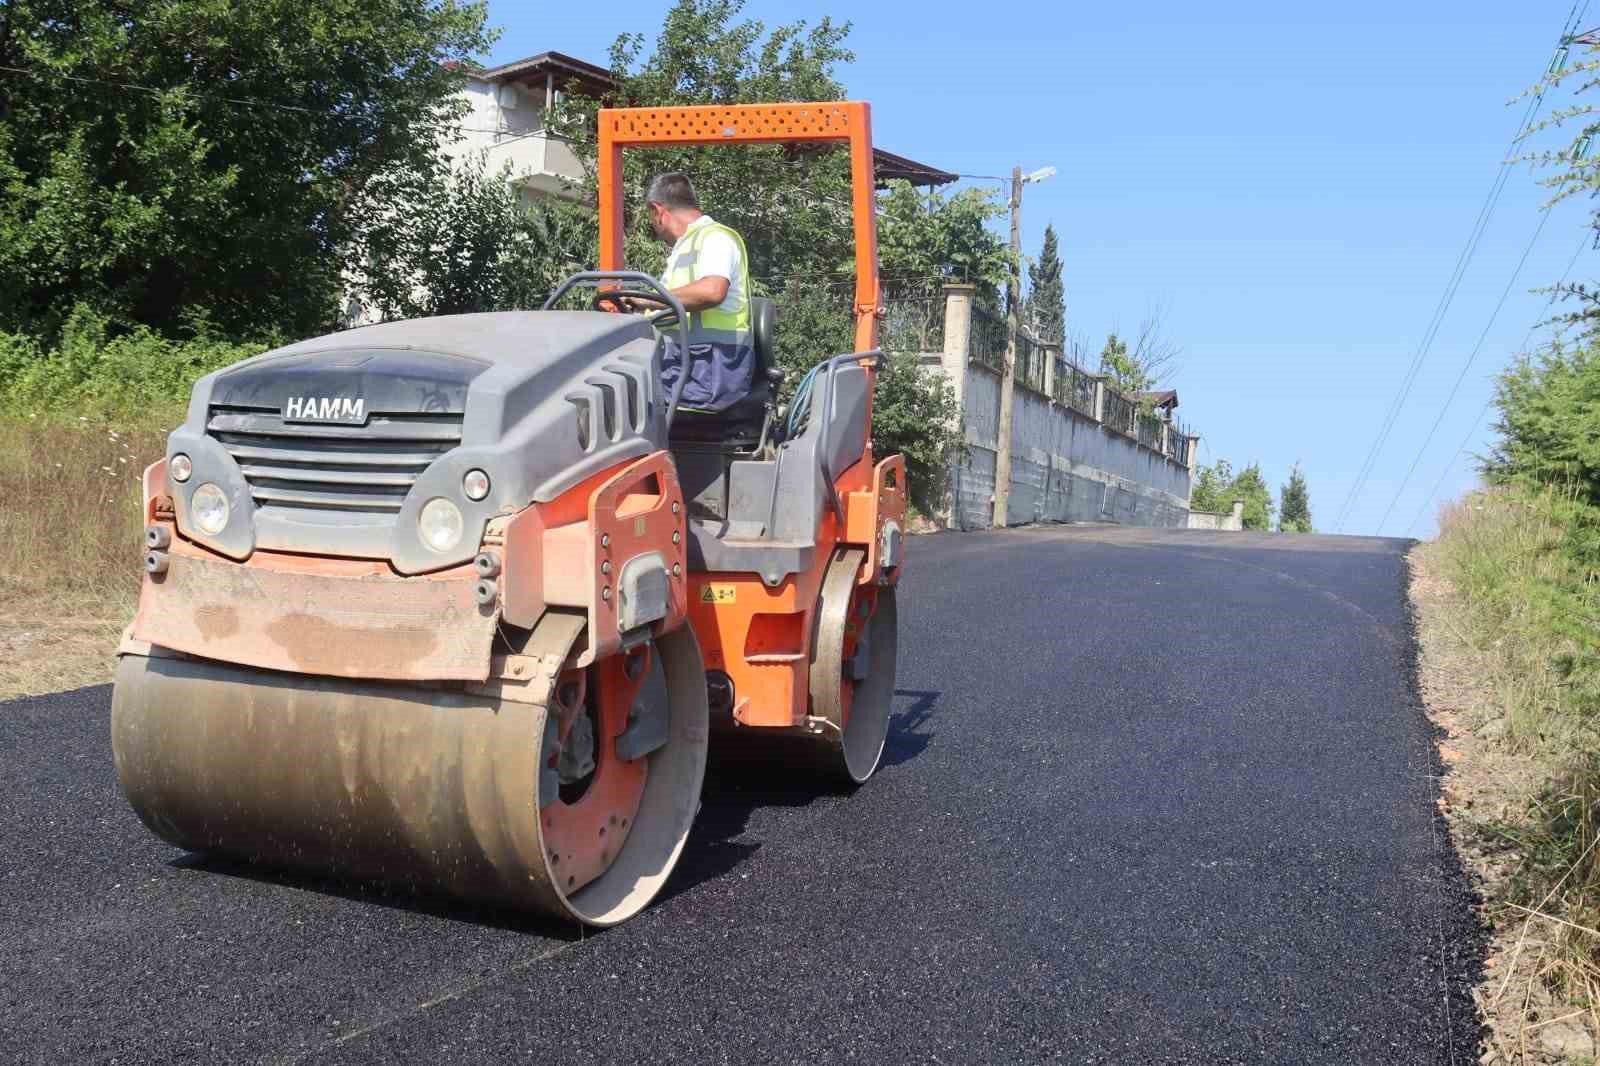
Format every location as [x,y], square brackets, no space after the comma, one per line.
[1008,380]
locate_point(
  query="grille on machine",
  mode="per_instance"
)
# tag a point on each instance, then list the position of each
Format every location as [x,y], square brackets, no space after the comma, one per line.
[321,466]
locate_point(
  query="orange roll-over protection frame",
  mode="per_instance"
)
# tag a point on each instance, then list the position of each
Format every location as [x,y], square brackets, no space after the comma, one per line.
[848,123]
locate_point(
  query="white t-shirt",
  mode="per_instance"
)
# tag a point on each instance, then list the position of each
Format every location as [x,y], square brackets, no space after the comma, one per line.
[719,257]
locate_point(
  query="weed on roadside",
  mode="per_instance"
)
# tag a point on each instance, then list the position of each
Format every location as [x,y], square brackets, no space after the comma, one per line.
[70,544]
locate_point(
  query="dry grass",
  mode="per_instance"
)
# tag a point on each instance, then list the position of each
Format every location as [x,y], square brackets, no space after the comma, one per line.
[70,541]
[1506,622]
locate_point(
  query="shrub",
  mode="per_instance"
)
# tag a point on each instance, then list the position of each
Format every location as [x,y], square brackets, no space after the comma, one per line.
[135,376]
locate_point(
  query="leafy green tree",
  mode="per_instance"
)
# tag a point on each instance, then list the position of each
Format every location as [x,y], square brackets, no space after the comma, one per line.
[1252,488]
[1549,408]
[1217,486]
[915,413]
[1141,361]
[936,237]
[1124,372]
[1046,311]
[1294,504]
[1212,487]
[460,238]
[1572,167]
[164,155]
[793,207]
[925,240]
[786,204]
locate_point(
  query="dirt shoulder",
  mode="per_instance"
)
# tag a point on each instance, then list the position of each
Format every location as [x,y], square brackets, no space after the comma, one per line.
[47,645]
[1485,787]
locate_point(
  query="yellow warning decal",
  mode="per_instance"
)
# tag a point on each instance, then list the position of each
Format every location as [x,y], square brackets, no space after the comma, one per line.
[717,594]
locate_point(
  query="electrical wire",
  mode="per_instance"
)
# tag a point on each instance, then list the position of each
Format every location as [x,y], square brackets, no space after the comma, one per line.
[1458,273]
[1544,217]
[1583,243]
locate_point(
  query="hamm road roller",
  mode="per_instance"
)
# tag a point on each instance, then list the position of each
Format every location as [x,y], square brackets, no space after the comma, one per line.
[460,603]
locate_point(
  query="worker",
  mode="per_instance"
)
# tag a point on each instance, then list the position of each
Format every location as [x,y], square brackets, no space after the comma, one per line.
[709,272]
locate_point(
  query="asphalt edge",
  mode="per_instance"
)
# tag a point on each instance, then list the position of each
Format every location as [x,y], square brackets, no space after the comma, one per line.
[1465,939]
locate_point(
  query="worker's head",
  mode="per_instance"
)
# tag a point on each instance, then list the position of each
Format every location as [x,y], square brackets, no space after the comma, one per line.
[672,204]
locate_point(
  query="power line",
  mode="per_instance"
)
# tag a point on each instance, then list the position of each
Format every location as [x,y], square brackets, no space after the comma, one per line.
[1476,422]
[1463,261]
[1467,365]
[1457,274]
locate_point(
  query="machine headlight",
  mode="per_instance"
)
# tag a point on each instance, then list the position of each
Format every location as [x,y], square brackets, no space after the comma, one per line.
[440,525]
[209,508]
[475,484]
[180,468]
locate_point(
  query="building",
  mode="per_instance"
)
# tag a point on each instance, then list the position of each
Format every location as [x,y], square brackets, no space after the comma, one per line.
[507,122]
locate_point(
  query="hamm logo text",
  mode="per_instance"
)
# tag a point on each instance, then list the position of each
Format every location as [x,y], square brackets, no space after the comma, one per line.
[324,409]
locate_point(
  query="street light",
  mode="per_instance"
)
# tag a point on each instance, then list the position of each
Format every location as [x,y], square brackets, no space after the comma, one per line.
[1008,382]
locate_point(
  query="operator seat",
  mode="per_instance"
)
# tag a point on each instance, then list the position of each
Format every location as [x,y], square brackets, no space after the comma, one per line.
[742,423]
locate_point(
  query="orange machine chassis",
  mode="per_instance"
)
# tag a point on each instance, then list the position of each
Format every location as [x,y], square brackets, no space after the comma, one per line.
[762,636]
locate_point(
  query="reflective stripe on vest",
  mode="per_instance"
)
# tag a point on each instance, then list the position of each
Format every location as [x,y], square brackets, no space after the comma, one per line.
[714,325]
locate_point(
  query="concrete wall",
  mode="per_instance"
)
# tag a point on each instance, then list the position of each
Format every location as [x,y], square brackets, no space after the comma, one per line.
[1065,466]
[1231,522]
[505,123]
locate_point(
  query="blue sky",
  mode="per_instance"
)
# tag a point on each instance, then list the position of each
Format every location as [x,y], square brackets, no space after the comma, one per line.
[1292,186]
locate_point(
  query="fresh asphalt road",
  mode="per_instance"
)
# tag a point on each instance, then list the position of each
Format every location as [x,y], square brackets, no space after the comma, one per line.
[1149,797]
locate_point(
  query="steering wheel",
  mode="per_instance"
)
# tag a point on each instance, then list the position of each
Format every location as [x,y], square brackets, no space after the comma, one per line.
[615,301]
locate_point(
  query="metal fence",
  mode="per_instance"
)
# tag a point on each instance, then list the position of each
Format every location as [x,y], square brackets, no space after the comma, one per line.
[1117,411]
[1072,386]
[913,318]
[987,343]
[1150,429]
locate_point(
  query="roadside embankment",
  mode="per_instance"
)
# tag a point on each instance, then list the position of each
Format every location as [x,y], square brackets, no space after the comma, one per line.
[70,543]
[1507,614]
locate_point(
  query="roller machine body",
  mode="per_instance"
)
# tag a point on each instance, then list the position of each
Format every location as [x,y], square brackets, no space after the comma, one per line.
[462,602]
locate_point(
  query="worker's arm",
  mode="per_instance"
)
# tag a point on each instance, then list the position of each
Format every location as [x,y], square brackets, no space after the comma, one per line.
[702,294]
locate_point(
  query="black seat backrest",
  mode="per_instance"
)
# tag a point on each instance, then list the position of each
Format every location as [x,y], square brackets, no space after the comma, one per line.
[763,331]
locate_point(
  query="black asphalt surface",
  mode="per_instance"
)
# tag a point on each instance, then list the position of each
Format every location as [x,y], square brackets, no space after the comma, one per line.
[1149,797]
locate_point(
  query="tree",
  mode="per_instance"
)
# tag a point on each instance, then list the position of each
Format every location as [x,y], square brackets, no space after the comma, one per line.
[1217,486]
[1212,488]
[1573,168]
[1549,407]
[925,240]
[1294,504]
[786,204]
[1125,374]
[159,156]
[915,413]
[1251,487]
[460,239]
[1046,310]
[936,237]
[1147,362]
[793,207]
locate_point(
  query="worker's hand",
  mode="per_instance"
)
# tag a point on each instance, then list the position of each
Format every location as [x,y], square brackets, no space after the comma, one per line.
[618,302]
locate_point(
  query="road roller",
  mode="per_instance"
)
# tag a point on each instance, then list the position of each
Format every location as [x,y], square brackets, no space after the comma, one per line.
[461,604]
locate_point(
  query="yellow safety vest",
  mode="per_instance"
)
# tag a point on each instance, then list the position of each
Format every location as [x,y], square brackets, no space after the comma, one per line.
[714,325]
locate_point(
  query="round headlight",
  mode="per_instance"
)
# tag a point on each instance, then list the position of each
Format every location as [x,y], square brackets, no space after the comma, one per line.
[180,467]
[209,508]
[440,525]
[475,484]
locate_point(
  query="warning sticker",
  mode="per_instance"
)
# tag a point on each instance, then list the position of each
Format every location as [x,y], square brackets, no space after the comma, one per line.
[717,594]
